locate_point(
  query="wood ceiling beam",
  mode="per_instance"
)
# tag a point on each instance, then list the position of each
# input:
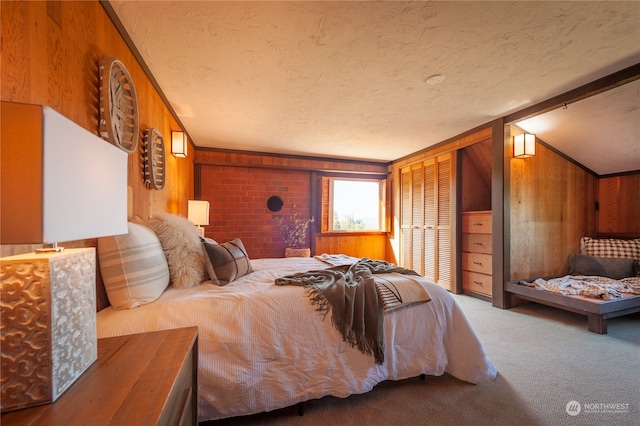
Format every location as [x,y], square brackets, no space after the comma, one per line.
[595,87]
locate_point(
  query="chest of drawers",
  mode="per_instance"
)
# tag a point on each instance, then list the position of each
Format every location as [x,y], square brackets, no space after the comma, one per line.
[476,253]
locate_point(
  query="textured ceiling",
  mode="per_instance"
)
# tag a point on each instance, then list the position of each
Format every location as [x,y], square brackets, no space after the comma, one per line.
[348,79]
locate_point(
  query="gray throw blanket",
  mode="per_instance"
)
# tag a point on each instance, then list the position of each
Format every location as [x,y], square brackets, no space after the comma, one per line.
[349,291]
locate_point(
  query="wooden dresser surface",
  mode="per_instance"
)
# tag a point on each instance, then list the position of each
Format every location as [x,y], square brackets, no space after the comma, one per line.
[139,379]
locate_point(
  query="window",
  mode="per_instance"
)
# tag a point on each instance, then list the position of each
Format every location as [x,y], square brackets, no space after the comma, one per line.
[356,205]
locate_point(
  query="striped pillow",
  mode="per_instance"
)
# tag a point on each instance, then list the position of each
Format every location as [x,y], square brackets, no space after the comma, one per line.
[133,266]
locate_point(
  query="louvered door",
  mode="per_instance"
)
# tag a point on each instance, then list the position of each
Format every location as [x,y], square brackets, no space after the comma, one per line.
[417,230]
[443,201]
[426,218]
[405,218]
[429,225]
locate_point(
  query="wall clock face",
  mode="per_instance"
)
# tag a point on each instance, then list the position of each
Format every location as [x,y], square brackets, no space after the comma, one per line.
[118,105]
[153,160]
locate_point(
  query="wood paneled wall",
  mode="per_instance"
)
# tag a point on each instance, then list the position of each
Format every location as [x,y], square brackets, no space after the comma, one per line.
[371,245]
[552,205]
[50,56]
[476,176]
[619,202]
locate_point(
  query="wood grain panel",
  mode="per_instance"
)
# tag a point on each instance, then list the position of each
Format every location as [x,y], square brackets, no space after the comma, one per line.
[478,243]
[50,55]
[477,283]
[552,205]
[368,245]
[249,159]
[476,174]
[477,222]
[22,123]
[469,138]
[143,379]
[619,202]
[477,262]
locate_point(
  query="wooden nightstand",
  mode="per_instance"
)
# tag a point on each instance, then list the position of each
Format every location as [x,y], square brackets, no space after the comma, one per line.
[140,379]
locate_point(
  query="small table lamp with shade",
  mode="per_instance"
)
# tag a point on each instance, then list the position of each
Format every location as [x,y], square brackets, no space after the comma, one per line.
[198,214]
[60,182]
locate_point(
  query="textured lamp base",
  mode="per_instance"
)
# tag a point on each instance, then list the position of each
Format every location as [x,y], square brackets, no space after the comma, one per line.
[48,329]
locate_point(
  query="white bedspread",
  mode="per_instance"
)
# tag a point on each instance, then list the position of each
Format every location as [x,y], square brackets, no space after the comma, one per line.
[263,347]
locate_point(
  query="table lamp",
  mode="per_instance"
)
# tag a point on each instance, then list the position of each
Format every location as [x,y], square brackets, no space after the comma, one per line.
[59,182]
[198,214]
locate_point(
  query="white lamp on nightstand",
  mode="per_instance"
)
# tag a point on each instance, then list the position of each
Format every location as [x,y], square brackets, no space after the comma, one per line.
[59,182]
[198,214]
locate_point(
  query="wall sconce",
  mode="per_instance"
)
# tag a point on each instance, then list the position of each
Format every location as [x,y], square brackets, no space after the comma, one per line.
[179,143]
[524,145]
[198,213]
[59,182]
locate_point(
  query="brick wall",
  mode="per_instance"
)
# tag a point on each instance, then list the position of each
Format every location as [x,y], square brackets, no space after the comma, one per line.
[238,197]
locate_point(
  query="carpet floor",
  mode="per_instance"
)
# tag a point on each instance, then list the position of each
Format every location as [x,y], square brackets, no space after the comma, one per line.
[551,371]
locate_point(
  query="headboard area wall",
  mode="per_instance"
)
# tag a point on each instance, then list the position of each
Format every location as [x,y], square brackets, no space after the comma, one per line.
[50,56]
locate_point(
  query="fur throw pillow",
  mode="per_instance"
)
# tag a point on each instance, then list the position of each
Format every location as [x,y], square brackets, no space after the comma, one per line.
[182,247]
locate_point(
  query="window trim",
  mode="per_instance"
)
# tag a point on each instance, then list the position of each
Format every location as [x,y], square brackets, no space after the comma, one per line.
[382,191]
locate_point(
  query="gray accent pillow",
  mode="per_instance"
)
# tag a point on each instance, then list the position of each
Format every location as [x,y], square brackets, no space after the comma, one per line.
[226,262]
[610,267]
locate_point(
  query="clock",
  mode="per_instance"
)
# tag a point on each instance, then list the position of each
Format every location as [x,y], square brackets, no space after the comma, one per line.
[153,161]
[118,105]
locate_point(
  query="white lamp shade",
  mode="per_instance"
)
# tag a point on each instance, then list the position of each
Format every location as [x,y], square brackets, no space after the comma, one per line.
[60,182]
[524,145]
[198,212]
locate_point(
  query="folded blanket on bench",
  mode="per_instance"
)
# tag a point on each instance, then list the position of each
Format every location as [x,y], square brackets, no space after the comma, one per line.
[351,293]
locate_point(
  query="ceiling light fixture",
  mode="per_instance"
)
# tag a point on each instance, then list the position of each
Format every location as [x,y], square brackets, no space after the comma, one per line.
[435,79]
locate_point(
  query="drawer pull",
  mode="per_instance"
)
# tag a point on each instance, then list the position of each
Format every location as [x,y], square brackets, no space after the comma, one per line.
[478,224]
[477,263]
[476,243]
[480,283]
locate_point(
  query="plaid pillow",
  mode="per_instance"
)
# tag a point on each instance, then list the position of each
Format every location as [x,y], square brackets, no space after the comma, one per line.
[610,247]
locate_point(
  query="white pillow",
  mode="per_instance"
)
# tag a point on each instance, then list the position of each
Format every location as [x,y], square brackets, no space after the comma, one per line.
[133,267]
[182,247]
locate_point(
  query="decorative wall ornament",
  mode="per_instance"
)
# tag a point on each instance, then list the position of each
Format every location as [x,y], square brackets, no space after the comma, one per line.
[153,160]
[118,105]
[275,203]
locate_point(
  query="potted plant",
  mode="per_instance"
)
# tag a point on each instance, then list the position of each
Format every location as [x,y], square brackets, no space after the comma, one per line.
[293,229]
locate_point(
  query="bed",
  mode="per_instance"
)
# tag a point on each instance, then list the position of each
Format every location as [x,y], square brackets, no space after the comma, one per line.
[603,282]
[264,346]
